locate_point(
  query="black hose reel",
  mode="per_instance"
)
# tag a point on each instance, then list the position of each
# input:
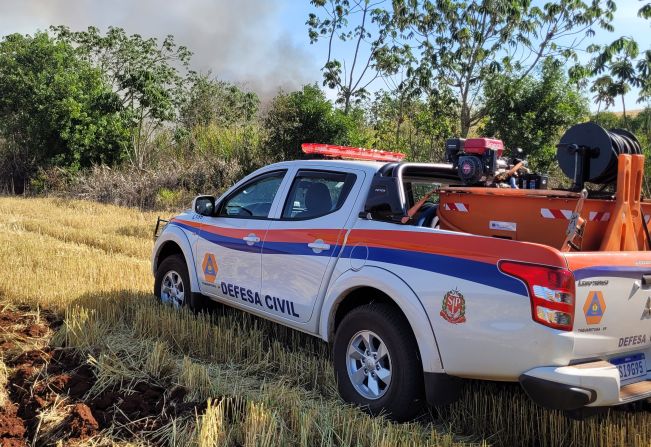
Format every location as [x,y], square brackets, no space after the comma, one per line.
[588,153]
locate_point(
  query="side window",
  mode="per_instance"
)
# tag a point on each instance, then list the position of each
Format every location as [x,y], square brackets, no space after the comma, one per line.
[254,198]
[317,193]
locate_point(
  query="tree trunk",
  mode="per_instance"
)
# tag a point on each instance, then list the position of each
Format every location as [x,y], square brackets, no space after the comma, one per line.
[624,110]
[399,123]
[465,121]
[346,104]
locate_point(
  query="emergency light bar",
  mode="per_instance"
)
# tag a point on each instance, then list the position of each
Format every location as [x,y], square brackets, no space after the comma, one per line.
[351,153]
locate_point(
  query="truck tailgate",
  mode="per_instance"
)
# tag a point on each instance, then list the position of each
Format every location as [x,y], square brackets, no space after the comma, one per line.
[613,304]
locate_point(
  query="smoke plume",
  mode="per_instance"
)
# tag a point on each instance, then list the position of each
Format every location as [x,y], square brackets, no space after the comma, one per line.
[241,41]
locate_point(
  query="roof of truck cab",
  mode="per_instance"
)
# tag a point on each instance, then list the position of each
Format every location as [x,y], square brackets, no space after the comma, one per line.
[367,166]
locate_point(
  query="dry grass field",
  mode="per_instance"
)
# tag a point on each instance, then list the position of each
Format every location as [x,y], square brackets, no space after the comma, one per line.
[88,357]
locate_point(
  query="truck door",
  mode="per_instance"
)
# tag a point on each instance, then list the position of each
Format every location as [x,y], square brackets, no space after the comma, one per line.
[228,258]
[300,246]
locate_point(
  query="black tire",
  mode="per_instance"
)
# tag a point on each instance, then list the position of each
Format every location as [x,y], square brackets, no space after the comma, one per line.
[403,397]
[176,263]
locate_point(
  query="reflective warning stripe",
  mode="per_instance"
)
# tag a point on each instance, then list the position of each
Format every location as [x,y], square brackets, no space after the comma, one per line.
[549,213]
[457,206]
[599,216]
[595,216]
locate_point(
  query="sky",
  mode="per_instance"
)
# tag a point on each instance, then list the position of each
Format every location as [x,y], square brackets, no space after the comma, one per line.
[261,45]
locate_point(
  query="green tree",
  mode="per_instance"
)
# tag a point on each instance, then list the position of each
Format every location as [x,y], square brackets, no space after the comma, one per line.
[643,67]
[532,112]
[607,120]
[605,92]
[412,124]
[306,116]
[55,108]
[212,101]
[618,59]
[148,76]
[464,43]
[365,28]
[219,119]
[622,67]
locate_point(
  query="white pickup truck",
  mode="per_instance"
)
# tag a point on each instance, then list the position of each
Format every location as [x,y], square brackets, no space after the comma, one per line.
[409,308]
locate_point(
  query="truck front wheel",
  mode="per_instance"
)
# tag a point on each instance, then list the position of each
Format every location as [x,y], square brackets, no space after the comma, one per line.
[172,285]
[376,362]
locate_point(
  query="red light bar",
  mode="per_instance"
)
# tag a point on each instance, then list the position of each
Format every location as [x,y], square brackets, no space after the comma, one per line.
[351,153]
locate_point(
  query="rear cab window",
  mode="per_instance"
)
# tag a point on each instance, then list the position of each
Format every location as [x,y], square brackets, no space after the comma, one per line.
[316,193]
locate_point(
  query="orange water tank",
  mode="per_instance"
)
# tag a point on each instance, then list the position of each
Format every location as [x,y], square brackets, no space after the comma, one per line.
[540,216]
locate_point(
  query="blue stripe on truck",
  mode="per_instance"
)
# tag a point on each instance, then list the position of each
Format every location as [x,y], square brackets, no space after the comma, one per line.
[466,269]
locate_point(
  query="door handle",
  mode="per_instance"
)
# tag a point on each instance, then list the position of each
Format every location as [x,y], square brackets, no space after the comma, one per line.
[251,239]
[318,246]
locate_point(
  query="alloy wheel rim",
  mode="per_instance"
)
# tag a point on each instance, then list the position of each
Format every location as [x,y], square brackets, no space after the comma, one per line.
[369,364]
[172,290]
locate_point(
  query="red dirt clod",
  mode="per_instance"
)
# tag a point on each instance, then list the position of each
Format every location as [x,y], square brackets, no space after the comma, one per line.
[35,357]
[19,379]
[60,382]
[82,424]
[36,330]
[12,427]
[13,443]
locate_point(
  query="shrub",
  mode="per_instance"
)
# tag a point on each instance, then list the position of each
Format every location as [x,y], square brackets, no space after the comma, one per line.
[171,184]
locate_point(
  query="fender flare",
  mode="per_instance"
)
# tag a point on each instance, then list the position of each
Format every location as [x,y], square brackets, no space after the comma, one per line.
[175,234]
[401,294]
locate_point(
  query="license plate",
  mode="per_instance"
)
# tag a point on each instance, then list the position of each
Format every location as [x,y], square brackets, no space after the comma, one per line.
[631,367]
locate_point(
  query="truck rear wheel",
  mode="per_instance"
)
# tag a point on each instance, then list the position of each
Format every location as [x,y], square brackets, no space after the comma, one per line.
[172,284]
[377,364]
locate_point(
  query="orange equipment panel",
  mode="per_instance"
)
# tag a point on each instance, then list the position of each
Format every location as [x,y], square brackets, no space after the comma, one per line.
[543,216]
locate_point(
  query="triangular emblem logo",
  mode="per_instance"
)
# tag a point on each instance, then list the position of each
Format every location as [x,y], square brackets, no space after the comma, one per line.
[594,310]
[210,268]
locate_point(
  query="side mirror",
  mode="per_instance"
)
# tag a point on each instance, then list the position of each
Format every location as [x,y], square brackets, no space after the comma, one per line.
[204,205]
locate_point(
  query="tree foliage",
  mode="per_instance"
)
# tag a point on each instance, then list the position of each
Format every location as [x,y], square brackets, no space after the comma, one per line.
[366,28]
[306,116]
[146,75]
[619,66]
[55,108]
[532,112]
[617,61]
[639,125]
[411,124]
[212,101]
[464,43]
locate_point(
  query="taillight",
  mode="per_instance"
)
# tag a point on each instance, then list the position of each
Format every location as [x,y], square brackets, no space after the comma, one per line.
[551,291]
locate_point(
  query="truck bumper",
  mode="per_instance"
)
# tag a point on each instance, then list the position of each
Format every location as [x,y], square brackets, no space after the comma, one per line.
[594,384]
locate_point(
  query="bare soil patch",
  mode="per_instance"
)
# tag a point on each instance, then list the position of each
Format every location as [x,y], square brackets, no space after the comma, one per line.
[40,379]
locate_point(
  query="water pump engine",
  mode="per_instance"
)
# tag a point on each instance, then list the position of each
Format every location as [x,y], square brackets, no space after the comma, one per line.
[476,160]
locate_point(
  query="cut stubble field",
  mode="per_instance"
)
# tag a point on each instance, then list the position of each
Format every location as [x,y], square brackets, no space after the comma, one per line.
[88,357]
